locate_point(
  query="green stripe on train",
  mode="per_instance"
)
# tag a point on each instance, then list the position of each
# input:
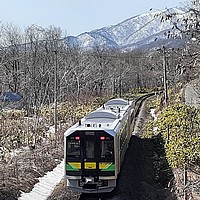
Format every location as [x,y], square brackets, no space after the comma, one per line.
[109,168]
[71,168]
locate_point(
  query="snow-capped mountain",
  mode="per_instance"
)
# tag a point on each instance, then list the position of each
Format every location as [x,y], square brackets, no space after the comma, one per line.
[148,30]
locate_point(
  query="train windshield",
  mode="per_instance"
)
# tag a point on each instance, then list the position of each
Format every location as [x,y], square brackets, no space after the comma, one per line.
[73,148]
[106,149]
[89,149]
[90,146]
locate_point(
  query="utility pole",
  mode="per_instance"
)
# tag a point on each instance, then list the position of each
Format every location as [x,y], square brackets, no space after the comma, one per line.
[55,91]
[165,76]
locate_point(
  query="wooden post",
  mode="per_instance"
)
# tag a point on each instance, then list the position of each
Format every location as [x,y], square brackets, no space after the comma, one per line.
[165,76]
[185,183]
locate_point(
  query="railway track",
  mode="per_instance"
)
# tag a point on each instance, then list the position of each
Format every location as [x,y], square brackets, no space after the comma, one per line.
[137,107]
[139,101]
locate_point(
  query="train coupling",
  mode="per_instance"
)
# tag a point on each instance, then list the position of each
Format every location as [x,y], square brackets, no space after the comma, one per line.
[89,180]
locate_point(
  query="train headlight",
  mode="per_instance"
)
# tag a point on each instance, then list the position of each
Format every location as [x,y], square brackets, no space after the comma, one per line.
[102,138]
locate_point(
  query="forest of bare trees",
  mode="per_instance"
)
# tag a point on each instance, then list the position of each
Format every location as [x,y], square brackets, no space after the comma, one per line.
[38,64]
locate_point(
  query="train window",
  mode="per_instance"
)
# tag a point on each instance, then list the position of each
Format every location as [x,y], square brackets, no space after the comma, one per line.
[89,149]
[73,148]
[106,149]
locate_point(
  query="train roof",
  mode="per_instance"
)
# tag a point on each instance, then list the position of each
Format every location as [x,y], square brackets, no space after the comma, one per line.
[107,117]
[120,102]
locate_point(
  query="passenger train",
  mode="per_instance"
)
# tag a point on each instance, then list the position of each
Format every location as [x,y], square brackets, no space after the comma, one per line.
[96,145]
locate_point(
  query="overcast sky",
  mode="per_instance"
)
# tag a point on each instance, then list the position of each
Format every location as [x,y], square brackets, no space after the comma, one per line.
[77,16]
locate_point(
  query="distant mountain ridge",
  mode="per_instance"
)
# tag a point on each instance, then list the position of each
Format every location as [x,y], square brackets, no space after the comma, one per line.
[142,31]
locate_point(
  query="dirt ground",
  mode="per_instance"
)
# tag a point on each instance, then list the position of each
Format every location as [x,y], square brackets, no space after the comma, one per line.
[22,173]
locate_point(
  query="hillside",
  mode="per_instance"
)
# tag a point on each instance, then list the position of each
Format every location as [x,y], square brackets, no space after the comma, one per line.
[148,30]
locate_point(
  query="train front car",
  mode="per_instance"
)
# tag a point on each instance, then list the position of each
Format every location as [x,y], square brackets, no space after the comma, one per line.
[92,151]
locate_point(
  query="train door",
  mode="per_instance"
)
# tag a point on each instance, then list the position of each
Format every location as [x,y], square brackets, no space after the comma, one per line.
[90,155]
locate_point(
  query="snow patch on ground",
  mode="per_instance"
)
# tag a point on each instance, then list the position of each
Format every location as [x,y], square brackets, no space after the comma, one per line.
[153,113]
[43,189]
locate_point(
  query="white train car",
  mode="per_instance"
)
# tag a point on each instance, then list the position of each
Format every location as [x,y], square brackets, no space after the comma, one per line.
[96,145]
